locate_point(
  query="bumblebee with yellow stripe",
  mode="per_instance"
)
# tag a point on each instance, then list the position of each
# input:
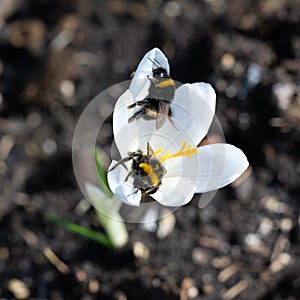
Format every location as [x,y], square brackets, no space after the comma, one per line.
[156,106]
[146,171]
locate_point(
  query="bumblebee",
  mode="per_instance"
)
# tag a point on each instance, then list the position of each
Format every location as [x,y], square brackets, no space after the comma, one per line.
[146,171]
[156,106]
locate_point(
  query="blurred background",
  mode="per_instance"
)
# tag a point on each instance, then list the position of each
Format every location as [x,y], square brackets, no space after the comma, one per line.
[57,55]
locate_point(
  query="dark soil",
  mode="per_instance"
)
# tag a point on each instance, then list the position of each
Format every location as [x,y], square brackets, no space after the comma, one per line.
[57,55]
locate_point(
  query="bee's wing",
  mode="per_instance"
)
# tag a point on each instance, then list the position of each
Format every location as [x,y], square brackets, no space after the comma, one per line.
[162,114]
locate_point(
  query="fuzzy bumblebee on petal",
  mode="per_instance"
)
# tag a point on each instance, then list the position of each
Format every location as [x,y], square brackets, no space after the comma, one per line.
[155,105]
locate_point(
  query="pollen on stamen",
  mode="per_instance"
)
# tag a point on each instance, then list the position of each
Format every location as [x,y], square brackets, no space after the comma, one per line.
[159,151]
[185,150]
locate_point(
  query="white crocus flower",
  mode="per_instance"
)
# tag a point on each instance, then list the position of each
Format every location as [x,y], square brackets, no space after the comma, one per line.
[189,169]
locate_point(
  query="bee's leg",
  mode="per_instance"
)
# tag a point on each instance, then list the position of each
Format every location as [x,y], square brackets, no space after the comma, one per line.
[149,192]
[136,116]
[132,105]
[142,102]
[171,120]
[129,173]
[139,103]
[133,192]
[121,162]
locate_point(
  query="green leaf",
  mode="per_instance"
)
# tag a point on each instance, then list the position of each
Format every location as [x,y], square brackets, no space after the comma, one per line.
[102,175]
[88,233]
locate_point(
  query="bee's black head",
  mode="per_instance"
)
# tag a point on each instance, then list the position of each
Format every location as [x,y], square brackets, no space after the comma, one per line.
[160,73]
[137,153]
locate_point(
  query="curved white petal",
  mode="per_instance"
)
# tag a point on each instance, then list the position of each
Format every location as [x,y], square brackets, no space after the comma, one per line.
[123,190]
[126,134]
[150,61]
[120,122]
[175,191]
[219,165]
[193,109]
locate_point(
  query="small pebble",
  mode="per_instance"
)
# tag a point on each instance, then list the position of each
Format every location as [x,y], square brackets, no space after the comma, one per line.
[231,91]
[34,120]
[140,250]
[252,239]
[6,144]
[272,204]
[208,289]
[49,146]
[237,289]
[227,273]
[217,6]
[236,250]
[286,225]
[238,69]
[283,93]
[187,282]
[118,295]
[192,292]
[148,221]
[166,226]
[254,74]
[94,286]
[266,226]
[18,288]
[61,40]
[81,276]
[221,85]
[255,245]
[220,262]
[227,61]
[200,257]
[207,278]
[156,282]
[172,9]
[283,260]
[67,88]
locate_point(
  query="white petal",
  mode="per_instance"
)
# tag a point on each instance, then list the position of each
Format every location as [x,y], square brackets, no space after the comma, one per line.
[120,122]
[219,165]
[175,191]
[123,190]
[145,68]
[193,109]
[126,134]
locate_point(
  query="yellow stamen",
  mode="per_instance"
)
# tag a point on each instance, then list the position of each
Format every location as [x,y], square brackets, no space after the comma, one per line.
[184,151]
[165,83]
[149,171]
[159,151]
